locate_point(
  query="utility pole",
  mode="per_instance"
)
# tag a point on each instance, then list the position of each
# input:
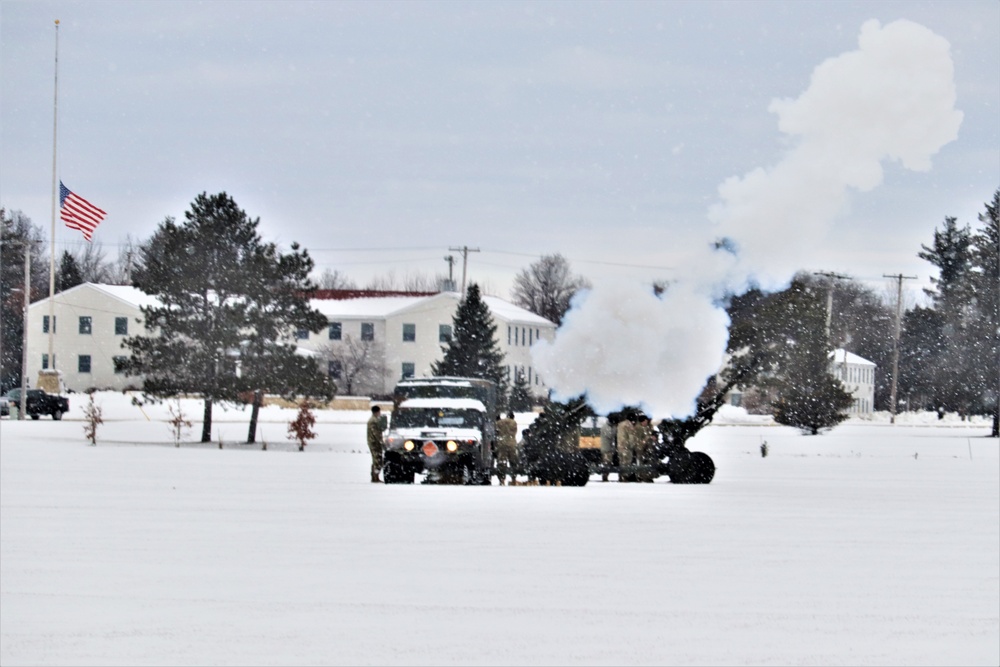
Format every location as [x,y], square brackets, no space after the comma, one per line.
[899,278]
[451,265]
[24,333]
[465,250]
[829,300]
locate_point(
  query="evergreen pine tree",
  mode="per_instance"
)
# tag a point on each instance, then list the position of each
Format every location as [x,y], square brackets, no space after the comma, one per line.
[959,382]
[69,272]
[224,296]
[950,253]
[473,350]
[17,233]
[809,397]
[520,395]
[984,324]
[277,303]
[921,346]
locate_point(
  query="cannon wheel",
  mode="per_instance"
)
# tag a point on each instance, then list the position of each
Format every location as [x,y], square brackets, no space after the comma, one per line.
[701,470]
[687,467]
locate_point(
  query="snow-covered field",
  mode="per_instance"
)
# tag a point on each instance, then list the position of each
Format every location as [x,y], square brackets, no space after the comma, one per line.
[873,544]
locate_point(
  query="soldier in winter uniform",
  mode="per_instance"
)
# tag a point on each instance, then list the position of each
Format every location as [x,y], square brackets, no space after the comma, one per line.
[375,442]
[645,442]
[570,441]
[507,462]
[608,440]
[626,450]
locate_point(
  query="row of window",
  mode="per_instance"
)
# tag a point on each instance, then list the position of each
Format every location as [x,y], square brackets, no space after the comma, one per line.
[336,370]
[83,363]
[857,374]
[522,336]
[86,325]
[336,331]
[526,373]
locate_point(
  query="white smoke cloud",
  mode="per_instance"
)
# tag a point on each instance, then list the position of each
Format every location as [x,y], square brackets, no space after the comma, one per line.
[891,99]
[623,345]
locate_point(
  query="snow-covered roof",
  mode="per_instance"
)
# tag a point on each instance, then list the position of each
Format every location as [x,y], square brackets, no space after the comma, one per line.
[454,403]
[390,305]
[130,295]
[125,293]
[838,358]
[512,313]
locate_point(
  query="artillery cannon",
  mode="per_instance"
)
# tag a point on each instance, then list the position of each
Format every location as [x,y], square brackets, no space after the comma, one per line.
[558,450]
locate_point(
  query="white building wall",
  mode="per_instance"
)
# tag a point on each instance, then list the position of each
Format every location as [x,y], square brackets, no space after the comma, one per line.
[427,318]
[858,376]
[517,330]
[427,315]
[516,339]
[72,348]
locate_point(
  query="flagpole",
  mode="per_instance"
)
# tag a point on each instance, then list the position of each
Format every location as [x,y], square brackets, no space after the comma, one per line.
[52,244]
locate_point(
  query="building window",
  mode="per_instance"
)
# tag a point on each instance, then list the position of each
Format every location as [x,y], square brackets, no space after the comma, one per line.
[86,325]
[531,336]
[409,369]
[302,334]
[367,331]
[45,361]
[335,369]
[444,333]
[121,326]
[508,335]
[409,333]
[119,363]
[335,330]
[83,363]
[45,324]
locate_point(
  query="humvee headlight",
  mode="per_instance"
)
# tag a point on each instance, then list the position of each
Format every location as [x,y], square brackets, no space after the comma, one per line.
[409,445]
[452,446]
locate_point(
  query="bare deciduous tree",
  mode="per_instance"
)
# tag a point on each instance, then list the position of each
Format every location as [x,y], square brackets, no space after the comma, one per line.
[410,282]
[120,270]
[546,287]
[334,279]
[356,366]
[90,260]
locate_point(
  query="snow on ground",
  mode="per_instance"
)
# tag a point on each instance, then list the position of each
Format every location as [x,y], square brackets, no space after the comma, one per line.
[873,544]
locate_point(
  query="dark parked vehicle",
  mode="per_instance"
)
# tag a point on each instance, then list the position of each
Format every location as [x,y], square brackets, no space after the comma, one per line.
[38,403]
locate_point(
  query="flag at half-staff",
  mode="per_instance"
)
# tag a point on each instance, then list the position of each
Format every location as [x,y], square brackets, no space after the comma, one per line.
[78,213]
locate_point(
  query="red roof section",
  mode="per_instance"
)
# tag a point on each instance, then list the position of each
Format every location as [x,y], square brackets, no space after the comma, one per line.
[344,294]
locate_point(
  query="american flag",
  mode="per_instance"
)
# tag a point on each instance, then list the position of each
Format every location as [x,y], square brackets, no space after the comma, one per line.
[78,213]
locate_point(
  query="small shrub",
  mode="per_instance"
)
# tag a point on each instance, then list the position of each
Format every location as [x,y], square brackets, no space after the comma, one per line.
[91,420]
[300,429]
[179,423]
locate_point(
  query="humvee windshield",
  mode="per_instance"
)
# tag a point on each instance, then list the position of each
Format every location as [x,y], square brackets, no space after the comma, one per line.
[436,418]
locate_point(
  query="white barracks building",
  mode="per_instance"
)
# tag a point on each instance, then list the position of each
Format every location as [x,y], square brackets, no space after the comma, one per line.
[406,331]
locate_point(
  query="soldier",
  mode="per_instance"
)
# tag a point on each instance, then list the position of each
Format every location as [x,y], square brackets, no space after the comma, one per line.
[375,443]
[645,442]
[507,448]
[570,440]
[626,449]
[608,441]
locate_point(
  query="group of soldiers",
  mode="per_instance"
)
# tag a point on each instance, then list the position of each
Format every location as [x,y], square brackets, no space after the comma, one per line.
[633,437]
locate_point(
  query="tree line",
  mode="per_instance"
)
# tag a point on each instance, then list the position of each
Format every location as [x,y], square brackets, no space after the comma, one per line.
[948,350]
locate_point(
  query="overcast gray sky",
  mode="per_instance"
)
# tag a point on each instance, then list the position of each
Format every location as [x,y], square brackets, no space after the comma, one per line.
[599,130]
